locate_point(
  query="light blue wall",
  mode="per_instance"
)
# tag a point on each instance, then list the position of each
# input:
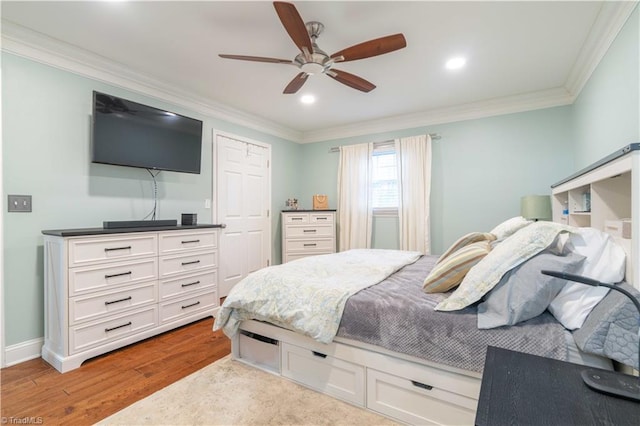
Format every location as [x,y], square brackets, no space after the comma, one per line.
[480,169]
[606,114]
[46,153]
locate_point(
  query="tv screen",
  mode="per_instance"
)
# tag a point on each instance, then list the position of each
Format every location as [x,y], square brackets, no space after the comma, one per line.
[126,133]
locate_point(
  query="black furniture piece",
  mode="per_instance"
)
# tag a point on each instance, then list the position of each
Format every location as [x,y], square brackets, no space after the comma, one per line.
[523,389]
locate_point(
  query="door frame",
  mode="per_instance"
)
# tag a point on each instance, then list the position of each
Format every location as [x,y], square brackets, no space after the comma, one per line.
[214,182]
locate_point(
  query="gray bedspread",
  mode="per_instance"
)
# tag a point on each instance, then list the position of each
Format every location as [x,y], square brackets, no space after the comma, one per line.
[397,315]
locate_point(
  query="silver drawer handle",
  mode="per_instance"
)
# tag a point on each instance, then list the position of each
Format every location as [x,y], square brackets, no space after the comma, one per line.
[118,326]
[193,304]
[117,301]
[193,283]
[310,245]
[421,385]
[309,230]
[296,218]
[118,275]
[117,248]
[190,241]
[321,218]
[190,263]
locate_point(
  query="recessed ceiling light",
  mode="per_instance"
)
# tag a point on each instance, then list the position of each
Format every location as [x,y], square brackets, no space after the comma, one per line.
[307,99]
[455,63]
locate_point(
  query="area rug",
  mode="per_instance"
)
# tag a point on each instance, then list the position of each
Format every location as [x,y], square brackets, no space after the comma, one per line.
[229,392]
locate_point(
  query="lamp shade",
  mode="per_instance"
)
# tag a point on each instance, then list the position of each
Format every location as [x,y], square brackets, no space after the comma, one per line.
[535,207]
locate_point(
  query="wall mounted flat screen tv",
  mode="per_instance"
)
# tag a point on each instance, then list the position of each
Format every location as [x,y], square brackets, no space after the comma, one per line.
[126,133]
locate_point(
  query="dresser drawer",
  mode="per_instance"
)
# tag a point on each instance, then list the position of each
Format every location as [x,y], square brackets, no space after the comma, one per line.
[172,311]
[325,373]
[188,284]
[174,242]
[311,231]
[296,218]
[108,276]
[311,245]
[105,249]
[173,265]
[86,336]
[94,306]
[417,402]
[321,218]
[288,257]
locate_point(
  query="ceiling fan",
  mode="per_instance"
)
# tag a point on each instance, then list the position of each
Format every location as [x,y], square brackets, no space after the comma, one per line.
[313,60]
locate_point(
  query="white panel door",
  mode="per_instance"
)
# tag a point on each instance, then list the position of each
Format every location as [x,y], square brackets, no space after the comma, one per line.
[243,188]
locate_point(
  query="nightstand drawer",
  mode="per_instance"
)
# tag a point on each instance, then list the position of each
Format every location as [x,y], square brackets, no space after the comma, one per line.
[188,284]
[84,337]
[105,249]
[93,306]
[174,242]
[173,265]
[325,245]
[107,276]
[311,231]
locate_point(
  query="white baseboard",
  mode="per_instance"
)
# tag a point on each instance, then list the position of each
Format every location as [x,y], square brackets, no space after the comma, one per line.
[15,354]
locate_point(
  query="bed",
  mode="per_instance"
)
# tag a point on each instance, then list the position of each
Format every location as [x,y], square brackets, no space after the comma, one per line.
[389,345]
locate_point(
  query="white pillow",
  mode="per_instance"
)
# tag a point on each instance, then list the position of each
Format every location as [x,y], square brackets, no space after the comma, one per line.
[513,251]
[510,227]
[605,261]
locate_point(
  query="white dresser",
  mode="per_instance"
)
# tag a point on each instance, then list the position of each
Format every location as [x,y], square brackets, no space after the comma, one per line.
[105,289]
[307,233]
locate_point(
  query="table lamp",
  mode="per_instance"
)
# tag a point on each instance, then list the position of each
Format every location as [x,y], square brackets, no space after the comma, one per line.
[609,382]
[535,207]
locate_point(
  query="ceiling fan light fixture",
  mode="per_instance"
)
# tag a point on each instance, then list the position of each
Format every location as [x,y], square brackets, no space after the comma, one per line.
[313,60]
[456,63]
[312,68]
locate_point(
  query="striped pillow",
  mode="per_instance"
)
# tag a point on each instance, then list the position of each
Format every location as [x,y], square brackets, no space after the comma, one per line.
[450,271]
[465,240]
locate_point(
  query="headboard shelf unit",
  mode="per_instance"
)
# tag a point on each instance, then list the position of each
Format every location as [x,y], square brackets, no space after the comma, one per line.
[608,190]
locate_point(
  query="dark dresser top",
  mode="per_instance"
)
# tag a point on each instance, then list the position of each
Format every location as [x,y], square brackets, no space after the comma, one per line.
[103,231]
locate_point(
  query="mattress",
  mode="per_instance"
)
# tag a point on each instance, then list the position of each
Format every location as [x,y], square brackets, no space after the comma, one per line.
[398,315]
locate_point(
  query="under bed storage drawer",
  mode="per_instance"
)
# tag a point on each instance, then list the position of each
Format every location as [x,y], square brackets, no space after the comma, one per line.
[261,351]
[417,402]
[324,373]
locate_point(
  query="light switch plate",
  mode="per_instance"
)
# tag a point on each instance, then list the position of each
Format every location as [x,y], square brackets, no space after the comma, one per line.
[19,203]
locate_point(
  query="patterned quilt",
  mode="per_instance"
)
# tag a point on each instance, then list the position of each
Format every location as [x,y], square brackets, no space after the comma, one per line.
[308,295]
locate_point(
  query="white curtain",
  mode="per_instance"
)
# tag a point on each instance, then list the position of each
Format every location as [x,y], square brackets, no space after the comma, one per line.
[414,181]
[354,195]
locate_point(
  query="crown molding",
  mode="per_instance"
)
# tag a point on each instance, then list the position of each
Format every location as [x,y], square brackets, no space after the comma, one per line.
[32,45]
[483,109]
[609,22]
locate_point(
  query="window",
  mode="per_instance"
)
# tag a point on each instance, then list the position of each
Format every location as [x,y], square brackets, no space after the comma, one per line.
[384,179]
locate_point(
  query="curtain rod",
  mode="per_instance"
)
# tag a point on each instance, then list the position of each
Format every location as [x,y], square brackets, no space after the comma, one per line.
[434,137]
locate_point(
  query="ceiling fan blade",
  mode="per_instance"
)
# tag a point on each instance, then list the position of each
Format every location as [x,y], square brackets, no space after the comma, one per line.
[351,80]
[294,25]
[371,48]
[296,83]
[256,59]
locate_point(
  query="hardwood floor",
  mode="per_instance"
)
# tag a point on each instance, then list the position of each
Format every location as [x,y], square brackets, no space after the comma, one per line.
[106,384]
